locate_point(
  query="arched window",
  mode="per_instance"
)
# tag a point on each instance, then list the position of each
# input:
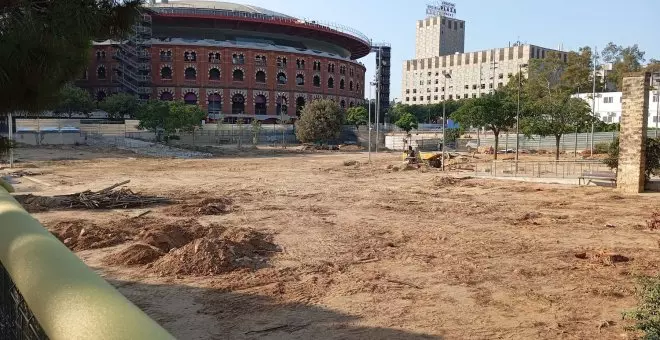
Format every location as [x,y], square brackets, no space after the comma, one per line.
[350,85]
[238,104]
[316,81]
[166,72]
[193,56]
[102,54]
[190,73]
[190,98]
[215,103]
[281,78]
[351,104]
[237,75]
[300,104]
[342,104]
[186,56]
[341,84]
[214,74]
[300,80]
[281,62]
[260,77]
[166,96]
[214,57]
[98,55]
[260,105]
[100,72]
[300,64]
[282,106]
[238,59]
[100,96]
[357,87]
[331,83]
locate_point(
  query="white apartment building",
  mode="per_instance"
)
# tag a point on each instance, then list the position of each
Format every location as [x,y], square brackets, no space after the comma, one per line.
[472,73]
[609,104]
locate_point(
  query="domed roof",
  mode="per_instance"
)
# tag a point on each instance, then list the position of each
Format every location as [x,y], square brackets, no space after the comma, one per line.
[219,5]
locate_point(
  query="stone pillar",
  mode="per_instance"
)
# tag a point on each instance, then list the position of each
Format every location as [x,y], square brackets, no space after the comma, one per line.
[632,138]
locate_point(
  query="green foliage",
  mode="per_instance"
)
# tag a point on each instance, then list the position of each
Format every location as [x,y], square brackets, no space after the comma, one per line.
[624,60]
[45,44]
[169,117]
[357,116]
[602,148]
[407,122]
[120,105]
[72,100]
[320,122]
[256,129]
[652,166]
[646,314]
[496,112]
[430,113]
[453,135]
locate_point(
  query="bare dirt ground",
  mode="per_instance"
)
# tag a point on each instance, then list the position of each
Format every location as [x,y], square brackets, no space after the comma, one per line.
[308,248]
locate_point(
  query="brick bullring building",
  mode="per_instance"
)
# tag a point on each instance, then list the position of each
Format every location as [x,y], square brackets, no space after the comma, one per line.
[235,61]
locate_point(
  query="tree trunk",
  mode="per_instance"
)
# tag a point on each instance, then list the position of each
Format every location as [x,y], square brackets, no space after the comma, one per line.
[497,143]
[557,141]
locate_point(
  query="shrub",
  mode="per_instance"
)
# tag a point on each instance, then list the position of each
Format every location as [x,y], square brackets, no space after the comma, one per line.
[652,156]
[320,122]
[646,314]
[601,148]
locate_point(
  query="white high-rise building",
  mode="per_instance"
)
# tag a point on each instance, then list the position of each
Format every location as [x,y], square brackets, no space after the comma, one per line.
[438,36]
[439,47]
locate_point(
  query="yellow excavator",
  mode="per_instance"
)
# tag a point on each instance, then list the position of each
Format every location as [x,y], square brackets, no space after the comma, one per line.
[416,158]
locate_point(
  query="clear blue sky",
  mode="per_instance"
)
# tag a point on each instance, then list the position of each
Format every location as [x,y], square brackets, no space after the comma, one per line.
[490,24]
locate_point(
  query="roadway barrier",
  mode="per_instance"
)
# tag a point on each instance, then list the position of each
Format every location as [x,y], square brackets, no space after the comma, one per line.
[47,292]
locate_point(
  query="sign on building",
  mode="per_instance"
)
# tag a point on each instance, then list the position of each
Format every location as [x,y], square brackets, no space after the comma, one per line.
[444,9]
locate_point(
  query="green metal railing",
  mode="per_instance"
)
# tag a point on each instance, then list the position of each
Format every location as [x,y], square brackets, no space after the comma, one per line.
[47,292]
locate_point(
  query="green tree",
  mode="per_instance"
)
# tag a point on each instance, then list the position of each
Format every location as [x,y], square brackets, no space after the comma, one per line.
[120,105]
[320,122]
[624,60]
[72,100]
[549,109]
[357,116]
[44,44]
[407,122]
[169,118]
[256,130]
[496,112]
[555,114]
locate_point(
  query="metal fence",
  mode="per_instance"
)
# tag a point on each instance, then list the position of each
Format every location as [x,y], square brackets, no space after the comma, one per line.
[16,319]
[539,169]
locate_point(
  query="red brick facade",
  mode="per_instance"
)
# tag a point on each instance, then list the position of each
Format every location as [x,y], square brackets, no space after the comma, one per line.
[352,73]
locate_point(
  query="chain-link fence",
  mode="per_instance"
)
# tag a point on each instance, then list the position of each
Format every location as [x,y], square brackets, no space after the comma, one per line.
[16,320]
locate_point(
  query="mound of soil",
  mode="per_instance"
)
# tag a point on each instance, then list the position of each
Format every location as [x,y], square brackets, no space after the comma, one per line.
[80,235]
[172,235]
[218,252]
[205,207]
[135,254]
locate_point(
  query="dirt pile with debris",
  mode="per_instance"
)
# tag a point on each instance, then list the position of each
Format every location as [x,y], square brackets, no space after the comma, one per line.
[135,254]
[166,237]
[108,198]
[80,235]
[218,252]
[204,207]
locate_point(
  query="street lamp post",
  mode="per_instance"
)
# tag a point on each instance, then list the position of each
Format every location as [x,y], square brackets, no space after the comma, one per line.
[444,117]
[520,67]
[370,127]
[657,105]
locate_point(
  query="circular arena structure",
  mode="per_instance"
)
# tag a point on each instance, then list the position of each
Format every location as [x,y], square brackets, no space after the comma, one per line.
[235,61]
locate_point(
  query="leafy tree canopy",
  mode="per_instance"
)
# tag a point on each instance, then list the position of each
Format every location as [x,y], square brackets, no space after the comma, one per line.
[320,122]
[44,44]
[407,122]
[357,116]
[169,117]
[120,105]
[72,100]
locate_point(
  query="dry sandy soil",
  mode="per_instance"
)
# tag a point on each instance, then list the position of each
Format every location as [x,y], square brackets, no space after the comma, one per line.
[365,252]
